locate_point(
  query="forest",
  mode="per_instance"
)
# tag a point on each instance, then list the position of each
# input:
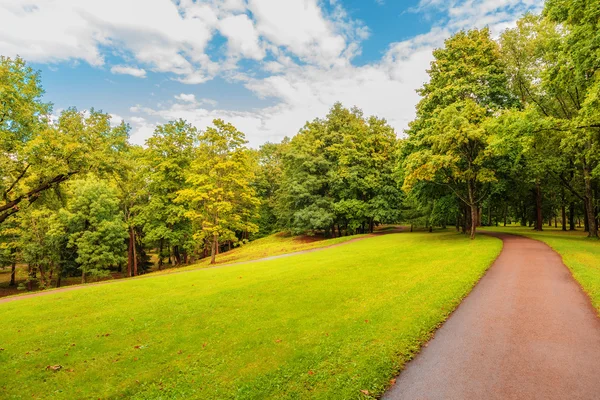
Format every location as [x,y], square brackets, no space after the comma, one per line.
[507,131]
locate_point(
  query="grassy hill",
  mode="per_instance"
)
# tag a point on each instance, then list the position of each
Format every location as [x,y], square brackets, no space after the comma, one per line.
[335,323]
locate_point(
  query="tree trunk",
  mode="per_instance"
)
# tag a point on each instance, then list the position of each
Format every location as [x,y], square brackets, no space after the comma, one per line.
[474,210]
[586,226]
[563,215]
[160,250]
[505,214]
[13,271]
[589,200]
[539,222]
[135,261]
[130,247]
[572,216]
[58,278]
[176,255]
[214,248]
[83,277]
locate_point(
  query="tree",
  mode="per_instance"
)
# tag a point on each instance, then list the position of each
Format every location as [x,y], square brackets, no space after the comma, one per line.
[220,196]
[448,141]
[37,155]
[168,158]
[339,171]
[95,226]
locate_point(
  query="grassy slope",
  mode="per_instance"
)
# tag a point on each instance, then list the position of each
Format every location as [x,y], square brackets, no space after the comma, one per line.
[321,325]
[579,253]
[269,246]
[272,245]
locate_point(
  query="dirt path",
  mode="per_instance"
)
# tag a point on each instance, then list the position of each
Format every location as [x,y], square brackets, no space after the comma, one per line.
[77,287]
[526,331]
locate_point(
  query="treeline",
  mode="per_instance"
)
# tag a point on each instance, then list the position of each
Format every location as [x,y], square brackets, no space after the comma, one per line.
[79,200]
[509,129]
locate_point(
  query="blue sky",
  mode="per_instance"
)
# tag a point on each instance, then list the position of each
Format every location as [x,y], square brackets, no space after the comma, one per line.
[265,65]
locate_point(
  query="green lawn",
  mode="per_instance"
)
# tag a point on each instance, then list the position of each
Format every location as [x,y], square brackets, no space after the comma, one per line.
[273,245]
[579,253]
[326,324]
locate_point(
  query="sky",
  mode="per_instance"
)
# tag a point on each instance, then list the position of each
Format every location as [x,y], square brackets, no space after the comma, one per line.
[267,66]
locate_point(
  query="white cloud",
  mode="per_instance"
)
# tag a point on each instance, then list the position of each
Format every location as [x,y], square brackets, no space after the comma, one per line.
[243,39]
[125,70]
[186,97]
[303,53]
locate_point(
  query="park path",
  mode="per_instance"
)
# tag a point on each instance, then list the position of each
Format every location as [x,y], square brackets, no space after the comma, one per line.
[526,331]
[9,299]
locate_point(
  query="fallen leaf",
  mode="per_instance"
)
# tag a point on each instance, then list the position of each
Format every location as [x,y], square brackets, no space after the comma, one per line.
[311,373]
[393,381]
[277,340]
[54,368]
[366,321]
[365,392]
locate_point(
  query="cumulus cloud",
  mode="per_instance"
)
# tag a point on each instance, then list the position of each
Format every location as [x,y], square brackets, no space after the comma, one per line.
[302,53]
[186,97]
[125,70]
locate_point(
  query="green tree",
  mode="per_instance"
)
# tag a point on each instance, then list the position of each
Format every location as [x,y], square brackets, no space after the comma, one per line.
[448,141]
[36,155]
[220,196]
[168,158]
[96,227]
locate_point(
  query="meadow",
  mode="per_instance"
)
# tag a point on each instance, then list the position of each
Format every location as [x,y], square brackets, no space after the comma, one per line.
[340,323]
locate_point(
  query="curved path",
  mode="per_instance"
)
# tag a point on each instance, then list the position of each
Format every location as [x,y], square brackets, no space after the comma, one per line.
[8,299]
[526,331]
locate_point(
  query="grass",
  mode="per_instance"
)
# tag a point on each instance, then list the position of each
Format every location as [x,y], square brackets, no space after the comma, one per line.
[272,245]
[579,253]
[328,324]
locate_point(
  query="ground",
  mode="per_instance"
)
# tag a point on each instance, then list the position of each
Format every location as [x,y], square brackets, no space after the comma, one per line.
[341,321]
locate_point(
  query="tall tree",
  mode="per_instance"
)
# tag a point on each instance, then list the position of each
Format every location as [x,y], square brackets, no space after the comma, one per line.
[220,196]
[448,142]
[168,156]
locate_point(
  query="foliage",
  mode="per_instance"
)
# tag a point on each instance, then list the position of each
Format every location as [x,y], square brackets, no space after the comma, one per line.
[95,227]
[339,172]
[220,198]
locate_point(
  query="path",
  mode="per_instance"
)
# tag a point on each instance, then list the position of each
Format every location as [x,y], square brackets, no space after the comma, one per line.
[82,286]
[526,331]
